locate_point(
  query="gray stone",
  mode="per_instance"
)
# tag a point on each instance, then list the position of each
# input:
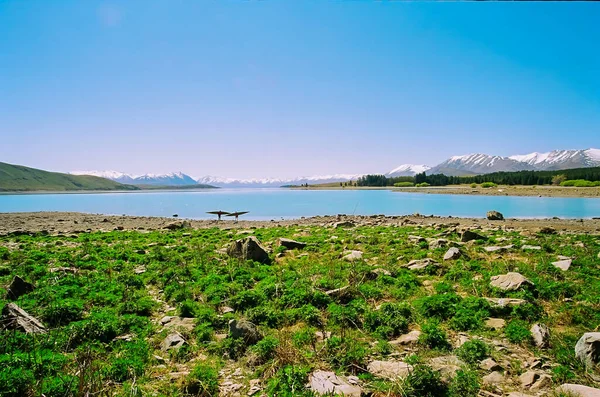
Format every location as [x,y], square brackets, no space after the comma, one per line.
[587,348]
[563,265]
[510,281]
[337,292]
[493,378]
[244,330]
[419,264]
[547,230]
[541,335]
[328,383]
[18,287]
[186,323]
[391,370]
[446,365]
[437,243]
[452,254]
[495,323]
[496,248]
[518,394]
[352,256]
[178,225]
[499,303]
[15,318]
[490,365]
[407,339]
[248,248]
[290,244]
[543,382]
[531,247]
[416,239]
[469,235]
[494,216]
[578,390]
[528,378]
[172,341]
[344,224]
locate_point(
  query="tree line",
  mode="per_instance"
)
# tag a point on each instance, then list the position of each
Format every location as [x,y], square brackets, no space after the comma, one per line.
[500,178]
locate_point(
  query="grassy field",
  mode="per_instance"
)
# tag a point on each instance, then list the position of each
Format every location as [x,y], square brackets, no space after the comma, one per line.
[17,178]
[102,297]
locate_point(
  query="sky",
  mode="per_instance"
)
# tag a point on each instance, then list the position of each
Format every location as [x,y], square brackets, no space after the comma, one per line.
[286,88]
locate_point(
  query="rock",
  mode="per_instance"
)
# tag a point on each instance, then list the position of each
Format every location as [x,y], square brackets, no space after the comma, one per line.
[178,225]
[391,370]
[344,224]
[416,239]
[493,378]
[244,330]
[547,230]
[518,394]
[498,303]
[541,335]
[446,365]
[578,390]
[62,269]
[373,274]
[419,264]
[290,244]
[321,337]
[469,235]
[495,323]
[172,341]
[328,383]
[18,287]
[510,281]
[494,216]
[543,382]
[352,256]
[563,265]
[337,292]
[248,248]
[407,339]
[437,243]
[226,309]
[15,318]
[490,365]
[531,247]
[186,323]
[528,378]
[452,254]
[587,348]
[496,248]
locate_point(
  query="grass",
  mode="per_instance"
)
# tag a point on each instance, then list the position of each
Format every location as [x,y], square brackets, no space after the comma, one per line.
[105,336]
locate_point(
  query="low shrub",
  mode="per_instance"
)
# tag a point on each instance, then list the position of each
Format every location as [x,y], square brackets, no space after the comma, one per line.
[465,384]
[517,331]
[580,183]
[433,336]
[487,185]
[422,184]
[289,381]
[473,351]
[404,184]
[203,380]
[423,381]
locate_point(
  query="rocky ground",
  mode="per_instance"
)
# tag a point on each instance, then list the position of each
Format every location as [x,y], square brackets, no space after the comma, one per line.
[69,222]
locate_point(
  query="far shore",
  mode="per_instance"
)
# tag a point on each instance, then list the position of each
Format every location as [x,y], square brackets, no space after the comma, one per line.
[502,190]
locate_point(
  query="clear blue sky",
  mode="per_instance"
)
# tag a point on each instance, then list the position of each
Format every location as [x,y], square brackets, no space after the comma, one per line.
[285,88]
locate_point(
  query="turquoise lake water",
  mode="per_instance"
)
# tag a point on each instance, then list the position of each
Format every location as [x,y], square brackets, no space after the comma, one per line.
[266,204]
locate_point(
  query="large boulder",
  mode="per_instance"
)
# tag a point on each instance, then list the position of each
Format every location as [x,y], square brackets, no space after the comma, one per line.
[185,323]
[435,243]
[541,335]
[18,287]
[392,370]
[328,383]
[587,348]
[469,235]
[446,365]
[15,318]
[452,254]
[172,341]
[499,303]
[510,281]
[290,244]
[352,256]
[248,248]
[563,265]
[578,390]
[420,264]
[244,330]
[494,216]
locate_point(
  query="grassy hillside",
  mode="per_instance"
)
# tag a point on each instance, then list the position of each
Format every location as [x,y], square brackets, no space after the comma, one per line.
[17,178]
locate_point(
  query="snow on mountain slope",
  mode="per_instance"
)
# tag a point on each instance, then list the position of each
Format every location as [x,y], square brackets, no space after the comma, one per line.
[170,179]
[477,163]
[561,159]
[408,170]
[276,182]
[113,175]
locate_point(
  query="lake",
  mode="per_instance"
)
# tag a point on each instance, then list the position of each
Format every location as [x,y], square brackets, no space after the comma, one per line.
[266,204]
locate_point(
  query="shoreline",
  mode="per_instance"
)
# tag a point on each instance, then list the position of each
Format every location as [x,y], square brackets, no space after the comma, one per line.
[77,222]
[500,190]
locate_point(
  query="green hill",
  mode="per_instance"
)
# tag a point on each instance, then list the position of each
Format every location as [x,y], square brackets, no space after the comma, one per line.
[17,178]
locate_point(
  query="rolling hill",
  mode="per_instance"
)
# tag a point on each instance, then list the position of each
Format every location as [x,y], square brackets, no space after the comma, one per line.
[18,178]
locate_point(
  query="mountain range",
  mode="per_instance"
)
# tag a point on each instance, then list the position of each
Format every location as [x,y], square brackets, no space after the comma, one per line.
[470,164]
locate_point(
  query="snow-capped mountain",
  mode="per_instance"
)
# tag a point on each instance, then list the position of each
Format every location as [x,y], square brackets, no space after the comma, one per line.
[408,170]
[477,164]
[561,159]
[170,179]
[276,182]
[485,164]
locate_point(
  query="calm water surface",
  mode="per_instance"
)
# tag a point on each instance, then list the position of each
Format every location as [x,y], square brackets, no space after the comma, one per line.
[287,203]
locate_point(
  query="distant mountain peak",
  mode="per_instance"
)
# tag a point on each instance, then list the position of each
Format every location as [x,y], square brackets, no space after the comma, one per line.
[408,170]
